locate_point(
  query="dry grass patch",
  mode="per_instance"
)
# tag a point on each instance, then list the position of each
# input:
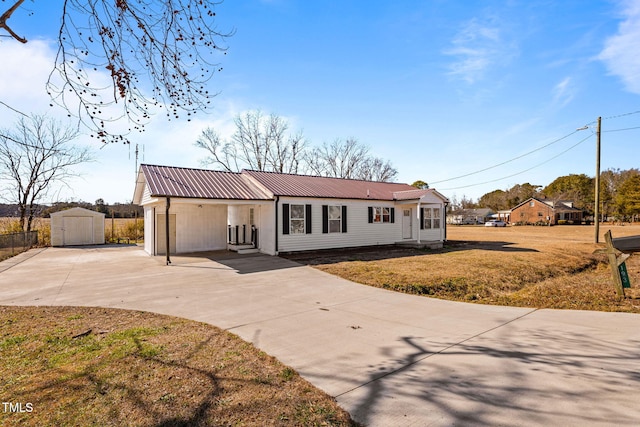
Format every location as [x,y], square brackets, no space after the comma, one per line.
[107,367]
[550,267]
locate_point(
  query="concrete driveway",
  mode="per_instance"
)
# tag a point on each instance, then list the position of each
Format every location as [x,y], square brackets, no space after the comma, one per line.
[389,359]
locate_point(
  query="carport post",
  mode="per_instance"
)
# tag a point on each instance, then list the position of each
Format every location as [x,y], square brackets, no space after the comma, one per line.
[167,230]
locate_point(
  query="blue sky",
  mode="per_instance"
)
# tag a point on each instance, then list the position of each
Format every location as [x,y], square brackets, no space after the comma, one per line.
[440,88]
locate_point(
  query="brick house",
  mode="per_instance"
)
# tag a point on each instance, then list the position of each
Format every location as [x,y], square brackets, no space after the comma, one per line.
[543,211]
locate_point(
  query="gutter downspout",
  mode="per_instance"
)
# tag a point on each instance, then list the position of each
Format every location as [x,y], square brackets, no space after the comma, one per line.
[167,249]
[445,220]
[276,228]
[419,225]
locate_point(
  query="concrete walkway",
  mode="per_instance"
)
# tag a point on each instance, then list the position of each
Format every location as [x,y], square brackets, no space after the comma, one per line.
[389,359]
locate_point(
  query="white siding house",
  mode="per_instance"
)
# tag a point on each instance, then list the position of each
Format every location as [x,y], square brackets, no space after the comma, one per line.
[274,213]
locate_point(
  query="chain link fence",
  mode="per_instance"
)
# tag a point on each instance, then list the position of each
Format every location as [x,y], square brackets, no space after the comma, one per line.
[14,243]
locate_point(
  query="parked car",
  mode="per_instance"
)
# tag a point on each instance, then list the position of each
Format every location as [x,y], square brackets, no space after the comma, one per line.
[495,223]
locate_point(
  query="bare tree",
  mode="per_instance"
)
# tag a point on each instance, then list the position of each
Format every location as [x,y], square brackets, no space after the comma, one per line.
[349,159]
[36,156]
[259,143]
[120,58]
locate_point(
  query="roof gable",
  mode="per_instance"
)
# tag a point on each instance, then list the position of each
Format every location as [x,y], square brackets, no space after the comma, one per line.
[559,206]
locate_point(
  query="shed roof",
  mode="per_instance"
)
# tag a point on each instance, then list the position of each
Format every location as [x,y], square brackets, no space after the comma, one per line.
[169,181]
[77,211]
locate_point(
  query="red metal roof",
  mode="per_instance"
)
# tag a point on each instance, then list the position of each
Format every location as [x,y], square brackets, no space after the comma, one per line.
[336,188]
[167,181]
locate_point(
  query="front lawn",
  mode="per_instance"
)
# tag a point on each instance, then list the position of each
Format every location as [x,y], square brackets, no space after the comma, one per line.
[543,267]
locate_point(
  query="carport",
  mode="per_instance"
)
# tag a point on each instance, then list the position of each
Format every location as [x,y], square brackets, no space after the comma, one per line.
[77,226]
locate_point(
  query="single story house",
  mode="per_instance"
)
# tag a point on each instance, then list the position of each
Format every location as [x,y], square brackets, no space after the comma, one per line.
[191,210]
[469,216]
[544,211]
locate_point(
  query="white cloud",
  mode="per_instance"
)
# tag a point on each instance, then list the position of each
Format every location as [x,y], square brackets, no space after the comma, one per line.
[620,53]
[23,76]
[563,92]
[476,47]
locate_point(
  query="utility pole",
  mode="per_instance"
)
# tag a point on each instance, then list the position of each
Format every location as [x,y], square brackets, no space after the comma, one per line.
[597,207]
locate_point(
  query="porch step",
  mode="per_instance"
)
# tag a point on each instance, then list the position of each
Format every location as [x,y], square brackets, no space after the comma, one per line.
[238,248]
[251,250]
[422,245]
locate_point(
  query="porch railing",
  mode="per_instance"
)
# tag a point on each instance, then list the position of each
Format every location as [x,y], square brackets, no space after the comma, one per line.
[237,235]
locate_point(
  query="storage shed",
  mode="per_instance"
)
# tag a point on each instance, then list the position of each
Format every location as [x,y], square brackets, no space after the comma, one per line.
[77,226]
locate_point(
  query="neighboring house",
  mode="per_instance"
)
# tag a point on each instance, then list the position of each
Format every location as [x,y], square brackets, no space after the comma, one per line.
[503,216]
[274,212]
[544,211]
[469,216]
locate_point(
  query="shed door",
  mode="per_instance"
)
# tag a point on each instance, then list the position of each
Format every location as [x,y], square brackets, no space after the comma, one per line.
[161,240]
[77,230]
[406,224]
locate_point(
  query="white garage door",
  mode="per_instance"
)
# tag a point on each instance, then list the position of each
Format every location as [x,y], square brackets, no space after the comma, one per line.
[78,230]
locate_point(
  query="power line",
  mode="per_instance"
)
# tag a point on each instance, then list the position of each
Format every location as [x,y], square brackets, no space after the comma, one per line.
[506,161]
[521,172]
[536,150]
[617,116]
[620,130]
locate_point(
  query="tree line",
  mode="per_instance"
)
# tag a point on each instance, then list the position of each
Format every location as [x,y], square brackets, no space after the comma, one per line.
[266,143]
[619,194]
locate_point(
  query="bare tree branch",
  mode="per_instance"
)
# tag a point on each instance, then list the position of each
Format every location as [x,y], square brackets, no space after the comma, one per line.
[127,59]
[35,156]
[259,143]
[349,159]
[5,17]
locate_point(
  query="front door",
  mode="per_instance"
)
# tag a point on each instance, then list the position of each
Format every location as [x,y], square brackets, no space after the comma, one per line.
[406,224]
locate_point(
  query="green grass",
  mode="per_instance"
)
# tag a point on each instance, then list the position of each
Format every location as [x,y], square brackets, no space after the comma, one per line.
[105,367]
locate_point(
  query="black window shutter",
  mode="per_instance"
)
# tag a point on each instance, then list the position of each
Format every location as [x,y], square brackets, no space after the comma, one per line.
[393,215]
[370,214]
[325,218]
[421,218]
[307,214]
[285,218]
[344,219]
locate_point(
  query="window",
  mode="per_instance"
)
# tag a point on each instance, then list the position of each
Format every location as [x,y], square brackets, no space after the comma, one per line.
[335,219]
[380,214]
[427,218]
[251,217]
[436,218]
[430,218]
[532,203]
[297,219]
